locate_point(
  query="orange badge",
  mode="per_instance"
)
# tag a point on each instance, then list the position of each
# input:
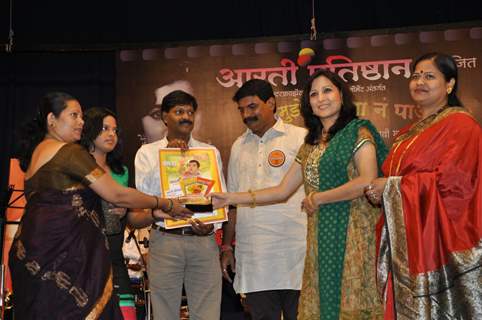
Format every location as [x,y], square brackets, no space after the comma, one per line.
[276,158]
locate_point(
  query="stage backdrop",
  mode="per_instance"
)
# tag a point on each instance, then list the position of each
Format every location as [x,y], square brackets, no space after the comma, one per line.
[376,65]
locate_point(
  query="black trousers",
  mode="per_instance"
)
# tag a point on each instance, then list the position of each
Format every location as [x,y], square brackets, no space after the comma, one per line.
[270,304]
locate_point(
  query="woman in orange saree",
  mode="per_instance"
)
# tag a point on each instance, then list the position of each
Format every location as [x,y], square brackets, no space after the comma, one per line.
[429,251]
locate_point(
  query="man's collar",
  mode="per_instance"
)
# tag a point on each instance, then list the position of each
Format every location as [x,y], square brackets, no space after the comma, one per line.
[278,127]
[189,143]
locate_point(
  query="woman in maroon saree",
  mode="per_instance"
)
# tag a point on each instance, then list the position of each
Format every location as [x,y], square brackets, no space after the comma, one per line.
[59,259]
[430,237]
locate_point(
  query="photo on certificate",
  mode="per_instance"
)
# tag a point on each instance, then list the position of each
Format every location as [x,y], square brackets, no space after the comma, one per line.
[190,176]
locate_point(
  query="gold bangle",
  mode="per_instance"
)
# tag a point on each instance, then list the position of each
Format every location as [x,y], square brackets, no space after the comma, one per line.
[226,247]
[253,198]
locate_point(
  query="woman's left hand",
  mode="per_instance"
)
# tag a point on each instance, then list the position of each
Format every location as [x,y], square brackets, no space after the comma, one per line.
[219,199]
[374,191]
[309,204]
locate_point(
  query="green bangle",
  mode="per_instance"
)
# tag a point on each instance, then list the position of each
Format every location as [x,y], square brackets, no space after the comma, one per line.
[170,206]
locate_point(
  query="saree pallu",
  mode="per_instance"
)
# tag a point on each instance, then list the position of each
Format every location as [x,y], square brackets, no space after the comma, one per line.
[430,238]
[59,259]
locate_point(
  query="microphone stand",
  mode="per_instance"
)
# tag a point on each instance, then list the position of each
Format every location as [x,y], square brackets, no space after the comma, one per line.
[145,289]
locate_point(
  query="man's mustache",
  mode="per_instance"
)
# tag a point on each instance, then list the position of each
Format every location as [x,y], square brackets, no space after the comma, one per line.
[186,122]
[248,120]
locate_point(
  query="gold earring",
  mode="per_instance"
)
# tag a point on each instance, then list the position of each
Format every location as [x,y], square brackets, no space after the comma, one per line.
[449,90]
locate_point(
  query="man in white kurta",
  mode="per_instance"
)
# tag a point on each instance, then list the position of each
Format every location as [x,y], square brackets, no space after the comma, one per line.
[270,240]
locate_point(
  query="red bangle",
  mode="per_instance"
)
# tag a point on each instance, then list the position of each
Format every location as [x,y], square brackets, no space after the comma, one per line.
[226,247]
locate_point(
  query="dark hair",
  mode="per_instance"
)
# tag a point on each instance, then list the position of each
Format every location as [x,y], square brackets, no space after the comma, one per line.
[34,131]
[255,87]
[177,98]
[93,124]
[195,161]
[448,67]
[312,122]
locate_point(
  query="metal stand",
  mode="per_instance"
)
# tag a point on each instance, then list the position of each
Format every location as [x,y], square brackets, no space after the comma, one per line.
[145,289]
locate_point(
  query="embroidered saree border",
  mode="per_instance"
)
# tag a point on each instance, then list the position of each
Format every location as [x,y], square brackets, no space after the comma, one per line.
[417,128]
[430,294]
[94,175]
[102,301]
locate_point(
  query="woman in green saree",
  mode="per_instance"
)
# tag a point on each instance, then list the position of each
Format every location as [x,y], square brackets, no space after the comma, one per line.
[340,156]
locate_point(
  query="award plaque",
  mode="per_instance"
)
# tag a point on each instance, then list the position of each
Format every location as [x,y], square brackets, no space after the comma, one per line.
[189,176]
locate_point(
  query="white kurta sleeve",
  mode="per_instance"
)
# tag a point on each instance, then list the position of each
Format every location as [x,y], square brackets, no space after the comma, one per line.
[145,168]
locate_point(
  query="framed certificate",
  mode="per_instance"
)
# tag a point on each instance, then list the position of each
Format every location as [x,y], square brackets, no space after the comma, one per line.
[190,176]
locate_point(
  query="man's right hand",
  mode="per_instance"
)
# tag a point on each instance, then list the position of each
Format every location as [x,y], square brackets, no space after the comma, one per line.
[227,260]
